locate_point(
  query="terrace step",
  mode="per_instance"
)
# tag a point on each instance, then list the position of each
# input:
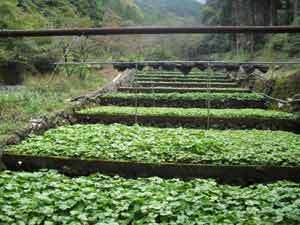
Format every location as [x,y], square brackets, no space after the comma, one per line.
[181,103]
[166,79]
[182,76]
[225,174]
[102,147]
[186,84]
[191,118]
[179,73]
[180,90]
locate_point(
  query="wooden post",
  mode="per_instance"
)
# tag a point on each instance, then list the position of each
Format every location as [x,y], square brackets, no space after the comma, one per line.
[289,12]
[296,8]
[273,12]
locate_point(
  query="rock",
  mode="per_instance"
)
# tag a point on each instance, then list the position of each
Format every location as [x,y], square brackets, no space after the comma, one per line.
[262,68]
[248,69]
[168,66]
[185,68]
[201,66]
[295,103]
[12,73]
[13,140]
[140,67]
[232,67]
[155,66]
[37,124]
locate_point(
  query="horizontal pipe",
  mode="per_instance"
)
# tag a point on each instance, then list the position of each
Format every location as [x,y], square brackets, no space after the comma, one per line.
[148,30]
[178,61]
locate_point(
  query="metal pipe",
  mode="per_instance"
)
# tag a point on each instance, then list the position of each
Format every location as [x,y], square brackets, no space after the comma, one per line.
[148,30]
[162,62]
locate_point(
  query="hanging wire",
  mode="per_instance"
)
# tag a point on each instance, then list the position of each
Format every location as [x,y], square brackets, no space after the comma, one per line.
[152,89]
[136,95]
[272,98]
[209,93]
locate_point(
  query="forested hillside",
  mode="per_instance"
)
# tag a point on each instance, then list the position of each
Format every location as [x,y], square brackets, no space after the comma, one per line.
[252,13]
[33,14]
[37,14]
[173,12]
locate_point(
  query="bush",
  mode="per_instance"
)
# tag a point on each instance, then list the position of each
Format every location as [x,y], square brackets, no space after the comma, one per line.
[12,73]
[277,42]
[287,86]
[44,63]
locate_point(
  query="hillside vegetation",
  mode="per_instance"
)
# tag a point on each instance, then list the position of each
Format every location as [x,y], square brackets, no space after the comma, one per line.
[29,60]
[173,12]
[252,13]
[30,14]
[34,14]
[37,55]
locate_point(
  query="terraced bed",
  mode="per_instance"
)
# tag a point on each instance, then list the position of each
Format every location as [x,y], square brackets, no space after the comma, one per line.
[182,79]
[155,145]
[184,100]
[187,77]
[191,118]
[184,84]
[165,73]
[182,112]
[248,156]
[166,89]
[50,198]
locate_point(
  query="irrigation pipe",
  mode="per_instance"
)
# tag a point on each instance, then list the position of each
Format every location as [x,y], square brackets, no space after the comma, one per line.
[148,30]
[180,61]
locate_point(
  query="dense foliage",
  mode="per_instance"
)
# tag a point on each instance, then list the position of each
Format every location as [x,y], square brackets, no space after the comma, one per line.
[38,14]
[53,199]
[40,96]
[170,12]
[180,112]
[188,96]
[251,13]
[156,145]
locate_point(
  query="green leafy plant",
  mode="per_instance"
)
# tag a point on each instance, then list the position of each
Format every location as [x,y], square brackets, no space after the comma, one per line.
[187,96]
[47,197]
[156,145]
[181,112]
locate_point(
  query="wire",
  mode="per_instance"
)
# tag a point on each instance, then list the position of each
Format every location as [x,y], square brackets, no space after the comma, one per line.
[272,98]
[136,97]
[208,99]
[152,90]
